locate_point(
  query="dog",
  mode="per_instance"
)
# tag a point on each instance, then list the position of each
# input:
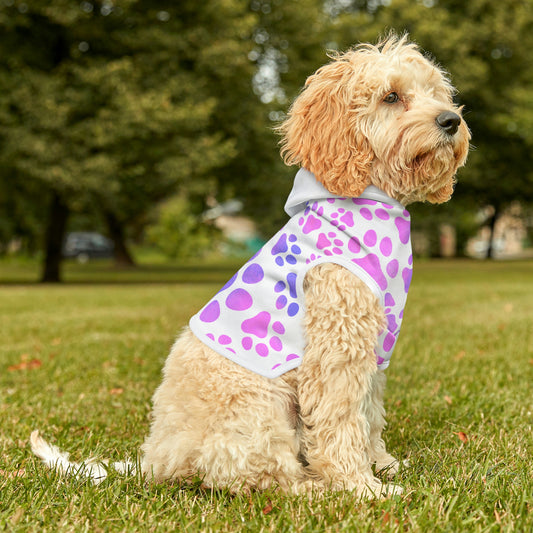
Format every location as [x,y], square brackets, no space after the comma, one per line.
[278,381]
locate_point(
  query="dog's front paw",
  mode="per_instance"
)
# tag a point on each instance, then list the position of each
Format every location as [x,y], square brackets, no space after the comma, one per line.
[388,466]
[380,490]
[392,490]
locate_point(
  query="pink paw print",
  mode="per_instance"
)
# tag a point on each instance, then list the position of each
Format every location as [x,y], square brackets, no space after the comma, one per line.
[342,219]
[329,244]
[311,258]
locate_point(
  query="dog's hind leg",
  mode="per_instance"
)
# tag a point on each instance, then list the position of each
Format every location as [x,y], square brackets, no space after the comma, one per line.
[213,418]
[254,445]
[342,322]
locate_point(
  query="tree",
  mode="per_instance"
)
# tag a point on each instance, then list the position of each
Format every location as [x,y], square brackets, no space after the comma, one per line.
[110,106]
[286,45]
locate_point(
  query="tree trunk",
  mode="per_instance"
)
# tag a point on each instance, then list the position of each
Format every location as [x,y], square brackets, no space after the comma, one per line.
[55,235]
[492,226]
[122,255]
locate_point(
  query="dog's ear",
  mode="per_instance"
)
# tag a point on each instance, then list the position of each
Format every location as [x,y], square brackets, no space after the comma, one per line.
[322,131]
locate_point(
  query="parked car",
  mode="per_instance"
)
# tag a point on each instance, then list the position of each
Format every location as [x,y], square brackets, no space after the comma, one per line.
[83,246]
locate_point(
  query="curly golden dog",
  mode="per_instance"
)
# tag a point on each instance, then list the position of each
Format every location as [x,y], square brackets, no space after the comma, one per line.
[278,381]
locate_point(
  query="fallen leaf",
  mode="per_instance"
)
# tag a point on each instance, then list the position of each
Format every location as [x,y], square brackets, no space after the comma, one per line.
[462,436]
[117,391]
[460,355]
[267,509]
[448,400]
[386,518]
[11,474]
[25,364]
[56,342]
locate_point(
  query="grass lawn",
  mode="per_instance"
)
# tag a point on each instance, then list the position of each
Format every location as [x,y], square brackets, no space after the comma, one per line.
[80,362]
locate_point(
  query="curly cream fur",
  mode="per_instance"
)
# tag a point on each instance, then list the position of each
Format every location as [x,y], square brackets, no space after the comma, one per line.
[240,430]
[340,129]
[318,426]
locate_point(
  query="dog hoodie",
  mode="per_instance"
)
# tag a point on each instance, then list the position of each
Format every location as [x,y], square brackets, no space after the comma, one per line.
[256,318]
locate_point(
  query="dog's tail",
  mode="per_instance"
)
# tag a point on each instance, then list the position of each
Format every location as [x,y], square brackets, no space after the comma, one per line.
[93,469]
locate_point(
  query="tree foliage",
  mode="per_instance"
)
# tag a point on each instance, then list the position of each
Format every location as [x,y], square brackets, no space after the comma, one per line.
[113,106]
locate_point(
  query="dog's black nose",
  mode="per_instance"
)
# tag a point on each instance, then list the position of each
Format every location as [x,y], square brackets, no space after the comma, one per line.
[449,122]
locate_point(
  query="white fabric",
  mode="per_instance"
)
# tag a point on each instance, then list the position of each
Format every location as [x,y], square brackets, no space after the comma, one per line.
[256,318]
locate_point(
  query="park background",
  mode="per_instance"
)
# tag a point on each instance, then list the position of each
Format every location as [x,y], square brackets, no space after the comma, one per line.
[152,123]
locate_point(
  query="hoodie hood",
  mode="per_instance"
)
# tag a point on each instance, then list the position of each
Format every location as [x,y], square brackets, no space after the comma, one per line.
[307,188]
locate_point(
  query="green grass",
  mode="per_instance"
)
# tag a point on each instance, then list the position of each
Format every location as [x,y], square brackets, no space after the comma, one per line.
[80,361]
[150,270]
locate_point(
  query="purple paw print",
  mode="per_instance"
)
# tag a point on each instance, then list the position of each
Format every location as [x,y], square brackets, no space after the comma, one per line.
[286,249]
[288,291]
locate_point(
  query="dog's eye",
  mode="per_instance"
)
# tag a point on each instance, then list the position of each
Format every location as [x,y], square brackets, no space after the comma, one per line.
[391,98]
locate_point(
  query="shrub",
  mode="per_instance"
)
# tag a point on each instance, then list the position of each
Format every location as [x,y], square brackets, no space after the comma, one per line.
[180,233]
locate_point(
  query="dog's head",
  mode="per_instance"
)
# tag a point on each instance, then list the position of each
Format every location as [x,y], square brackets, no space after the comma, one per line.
[379,115]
